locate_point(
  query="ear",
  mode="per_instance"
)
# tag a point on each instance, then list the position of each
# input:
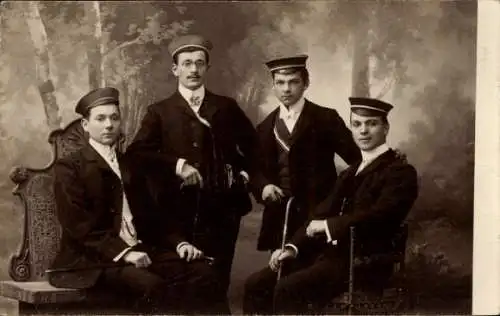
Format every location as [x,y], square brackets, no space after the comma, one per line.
[273,81]
[175,69]
[386,129]
[85,124]
[306,85]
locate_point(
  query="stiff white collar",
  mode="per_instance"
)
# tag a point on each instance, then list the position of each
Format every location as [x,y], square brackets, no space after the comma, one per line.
[107,152]
[188,94]
[293,111]
[371,155]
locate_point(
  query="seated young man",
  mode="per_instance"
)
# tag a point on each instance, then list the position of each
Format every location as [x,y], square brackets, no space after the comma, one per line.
[374,196]
[104,220]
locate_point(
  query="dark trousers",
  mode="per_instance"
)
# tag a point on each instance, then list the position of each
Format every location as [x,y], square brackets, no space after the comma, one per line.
[222,248]
[303,288]
[216,230]
[173,286]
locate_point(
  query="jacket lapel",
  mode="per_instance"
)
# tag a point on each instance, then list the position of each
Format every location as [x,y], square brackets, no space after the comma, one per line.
[208,107]
[124,168]
[104,172]
[104,181]
[303,123]
[92,156]
[182,105]
[378,162]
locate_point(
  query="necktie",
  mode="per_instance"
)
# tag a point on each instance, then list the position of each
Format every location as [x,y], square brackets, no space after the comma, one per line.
[112,156]
[127,231]
[113,161]
[195,100]
[195,103]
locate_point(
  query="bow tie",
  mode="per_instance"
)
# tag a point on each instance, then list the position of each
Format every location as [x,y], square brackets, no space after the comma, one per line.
[195,100]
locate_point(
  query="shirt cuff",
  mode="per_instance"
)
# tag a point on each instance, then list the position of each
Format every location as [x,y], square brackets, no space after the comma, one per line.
[180,245]
[121,254]
[245,175]
[179,165]
[328,235]
[264,189]
[294,248]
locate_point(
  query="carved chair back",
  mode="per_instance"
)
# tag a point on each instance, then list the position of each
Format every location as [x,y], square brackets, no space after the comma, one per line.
[34,187]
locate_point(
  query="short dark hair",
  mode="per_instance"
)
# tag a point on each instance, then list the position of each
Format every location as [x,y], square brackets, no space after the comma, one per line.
[368,112]
[303,72]
[189,50]
[86,114]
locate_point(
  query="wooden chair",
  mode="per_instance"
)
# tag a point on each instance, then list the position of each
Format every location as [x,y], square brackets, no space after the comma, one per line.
[386,299]
[41,235]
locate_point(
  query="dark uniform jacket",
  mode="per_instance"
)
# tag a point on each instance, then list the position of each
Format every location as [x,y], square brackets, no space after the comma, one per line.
[170,130]
[318,135]
[375,201]
[89,202]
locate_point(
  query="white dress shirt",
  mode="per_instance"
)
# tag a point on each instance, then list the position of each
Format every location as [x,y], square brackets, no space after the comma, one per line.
[291,114]
[188,94]
[127,230]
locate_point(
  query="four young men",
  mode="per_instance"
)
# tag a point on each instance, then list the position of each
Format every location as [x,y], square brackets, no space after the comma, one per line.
[176,197]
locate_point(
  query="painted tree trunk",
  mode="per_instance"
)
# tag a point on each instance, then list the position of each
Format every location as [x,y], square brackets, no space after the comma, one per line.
[42,58]
[360,63]
[95,48]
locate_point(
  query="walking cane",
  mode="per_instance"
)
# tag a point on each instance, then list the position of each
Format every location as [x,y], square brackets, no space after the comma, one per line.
[285,228]
[120,264]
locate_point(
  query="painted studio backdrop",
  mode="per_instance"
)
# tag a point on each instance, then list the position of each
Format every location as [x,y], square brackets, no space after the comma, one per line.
[418,55]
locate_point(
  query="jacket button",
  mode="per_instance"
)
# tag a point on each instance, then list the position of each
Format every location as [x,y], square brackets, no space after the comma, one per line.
[196,164]
[195,144]
[341,213]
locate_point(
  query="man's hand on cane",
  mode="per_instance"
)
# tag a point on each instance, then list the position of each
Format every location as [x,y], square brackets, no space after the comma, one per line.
[190,176]
[189,252]
[280,255]
[272,193]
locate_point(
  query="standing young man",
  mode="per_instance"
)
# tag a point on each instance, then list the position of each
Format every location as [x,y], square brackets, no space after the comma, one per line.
[297,144]
[205,142]
[104,220]
[373,195]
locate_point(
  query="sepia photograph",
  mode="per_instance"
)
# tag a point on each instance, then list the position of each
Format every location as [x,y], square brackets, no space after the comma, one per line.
[237,157]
